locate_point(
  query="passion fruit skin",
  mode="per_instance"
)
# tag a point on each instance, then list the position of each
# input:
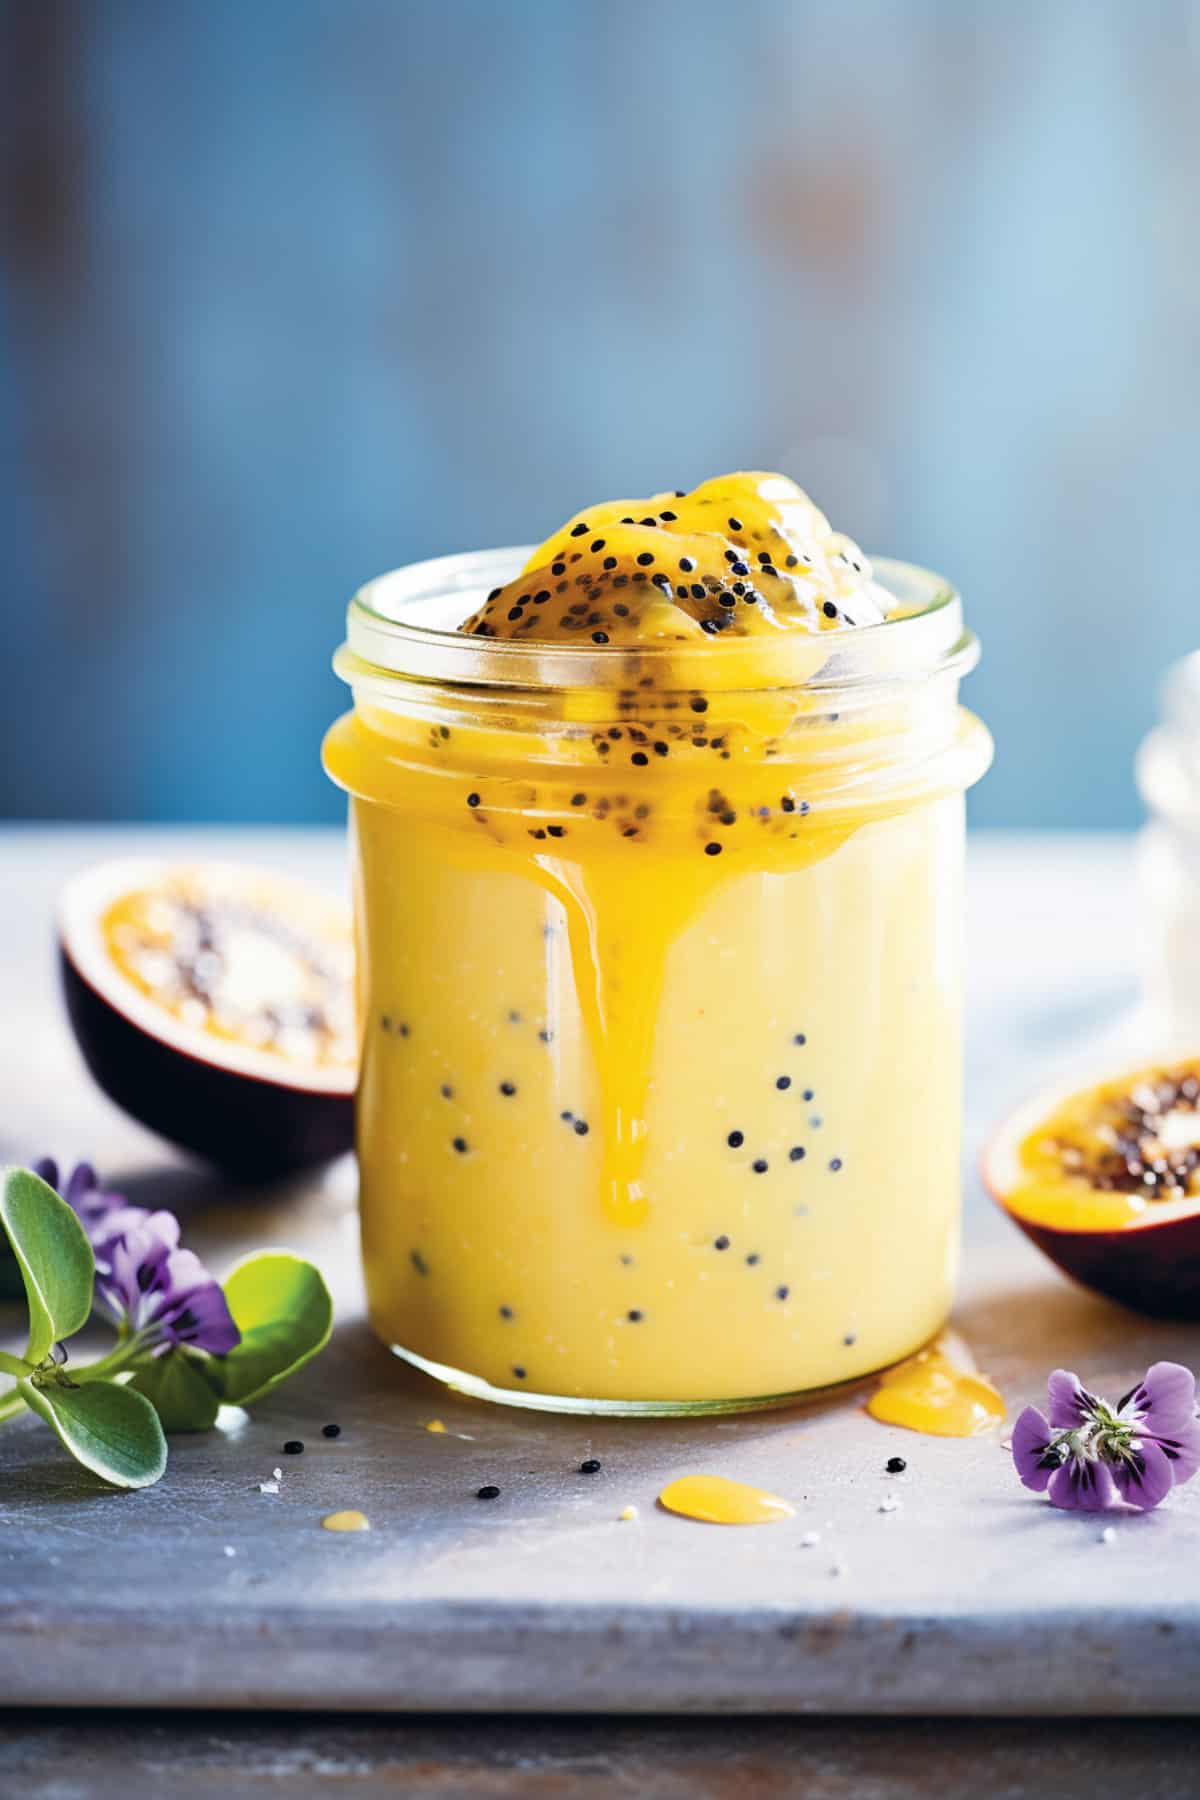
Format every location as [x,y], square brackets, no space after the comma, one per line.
[252,1128]
[1152,1269]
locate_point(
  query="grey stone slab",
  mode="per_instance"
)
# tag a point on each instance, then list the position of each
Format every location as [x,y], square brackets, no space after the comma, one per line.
[140,1756]
[971,1597]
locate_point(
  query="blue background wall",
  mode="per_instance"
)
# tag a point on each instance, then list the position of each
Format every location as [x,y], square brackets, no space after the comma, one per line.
[297,290]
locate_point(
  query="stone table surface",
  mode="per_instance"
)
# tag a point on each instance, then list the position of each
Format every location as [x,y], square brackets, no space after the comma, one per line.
[972,1597]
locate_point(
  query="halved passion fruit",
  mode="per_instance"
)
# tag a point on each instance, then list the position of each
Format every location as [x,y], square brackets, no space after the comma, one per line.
[1106,1180]
[214,1002]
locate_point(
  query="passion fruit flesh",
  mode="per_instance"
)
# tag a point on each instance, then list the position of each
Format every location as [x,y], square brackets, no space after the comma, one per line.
[213,1002]
[1106,1181]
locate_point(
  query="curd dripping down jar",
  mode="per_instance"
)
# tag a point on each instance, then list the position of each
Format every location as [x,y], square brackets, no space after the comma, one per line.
[660,989]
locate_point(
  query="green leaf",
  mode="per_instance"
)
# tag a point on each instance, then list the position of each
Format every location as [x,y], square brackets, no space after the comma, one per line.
[54,1257]
[178,1388]
[107,1427]
[283,1310]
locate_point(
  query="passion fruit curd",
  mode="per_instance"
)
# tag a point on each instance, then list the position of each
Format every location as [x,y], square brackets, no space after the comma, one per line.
[658,844]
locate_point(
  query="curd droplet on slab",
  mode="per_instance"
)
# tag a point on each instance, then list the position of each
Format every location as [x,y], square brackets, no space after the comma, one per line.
[933,1393]
[346,1521]
[437,1428]
[718,1501]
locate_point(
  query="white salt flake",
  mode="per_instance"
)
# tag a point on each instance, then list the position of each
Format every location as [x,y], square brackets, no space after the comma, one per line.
[276,1474]
[268,1487]
[890,1503]
[1109,1535]
[810,1539]
[228,1550]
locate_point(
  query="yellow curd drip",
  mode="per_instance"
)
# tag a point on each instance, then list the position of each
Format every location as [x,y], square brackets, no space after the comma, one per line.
[351,1520]
[716,1500]
[934,1393]
[562,906]
[619,933]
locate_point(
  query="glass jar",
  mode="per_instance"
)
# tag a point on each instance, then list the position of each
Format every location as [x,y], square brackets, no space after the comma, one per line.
[1168,774]
[659,977]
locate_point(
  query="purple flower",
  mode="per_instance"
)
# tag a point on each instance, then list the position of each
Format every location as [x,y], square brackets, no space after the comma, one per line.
[94,1205]
[149,1286]
[163,1294]
[1088,1453]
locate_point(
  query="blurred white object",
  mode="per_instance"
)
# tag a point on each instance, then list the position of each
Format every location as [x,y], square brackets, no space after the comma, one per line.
[1168,775]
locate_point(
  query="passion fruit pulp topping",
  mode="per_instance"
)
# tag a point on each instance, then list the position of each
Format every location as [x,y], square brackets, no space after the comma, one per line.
[742,555]
[229,963]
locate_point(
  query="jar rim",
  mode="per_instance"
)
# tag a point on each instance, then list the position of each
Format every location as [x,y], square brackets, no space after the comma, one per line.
[404,624]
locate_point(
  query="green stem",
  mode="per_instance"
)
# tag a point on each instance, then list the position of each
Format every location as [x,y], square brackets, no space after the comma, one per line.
[106,1366]
[10,1405]
[109,1365]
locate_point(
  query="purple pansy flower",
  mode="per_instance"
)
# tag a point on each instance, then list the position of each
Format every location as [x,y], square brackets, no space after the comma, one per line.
[94,1206]
[149,1286]
[1088,1453]
[159,1291]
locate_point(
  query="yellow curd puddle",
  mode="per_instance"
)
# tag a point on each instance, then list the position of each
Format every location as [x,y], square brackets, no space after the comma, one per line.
[718,1501]
[350,1520]
[933,1393]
